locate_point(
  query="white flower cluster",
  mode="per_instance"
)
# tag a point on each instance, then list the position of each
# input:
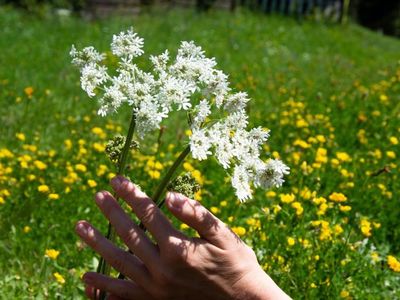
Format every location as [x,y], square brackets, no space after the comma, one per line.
[191,83]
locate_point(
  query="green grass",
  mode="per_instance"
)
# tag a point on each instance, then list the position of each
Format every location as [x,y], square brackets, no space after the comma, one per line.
[336,78]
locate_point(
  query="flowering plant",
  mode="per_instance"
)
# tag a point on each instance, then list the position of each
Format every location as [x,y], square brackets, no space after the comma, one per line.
[189,82]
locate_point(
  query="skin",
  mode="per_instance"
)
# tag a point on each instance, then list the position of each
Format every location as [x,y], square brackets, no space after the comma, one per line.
[218,265]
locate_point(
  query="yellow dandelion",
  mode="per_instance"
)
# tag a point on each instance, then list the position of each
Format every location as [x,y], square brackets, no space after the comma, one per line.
[52,253]
[26,229]
[291,241]
[20,136]
[54,196]
[59,278]
[393,140]
[40,165]
[239,230]
[344,208]
[91,183]
[43,188]
[80,167]
[393,263]
[287,198]
[365,227]
[337,197]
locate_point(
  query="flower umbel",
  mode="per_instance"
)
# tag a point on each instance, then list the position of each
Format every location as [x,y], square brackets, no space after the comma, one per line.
[188,82]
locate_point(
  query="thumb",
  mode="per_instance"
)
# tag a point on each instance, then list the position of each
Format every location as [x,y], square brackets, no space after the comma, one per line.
[199,218]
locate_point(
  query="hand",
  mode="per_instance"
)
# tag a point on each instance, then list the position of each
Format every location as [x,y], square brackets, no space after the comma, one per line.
[218,265]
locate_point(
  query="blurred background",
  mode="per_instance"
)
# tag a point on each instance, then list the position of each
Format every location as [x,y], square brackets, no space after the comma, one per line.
[379,15]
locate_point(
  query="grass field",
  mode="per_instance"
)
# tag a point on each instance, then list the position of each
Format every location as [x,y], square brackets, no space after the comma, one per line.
[330,95]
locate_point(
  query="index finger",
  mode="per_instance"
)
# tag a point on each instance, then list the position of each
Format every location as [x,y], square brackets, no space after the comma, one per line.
[146,210]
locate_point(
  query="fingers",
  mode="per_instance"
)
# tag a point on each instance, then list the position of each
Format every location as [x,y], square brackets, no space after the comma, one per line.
[146,210]
[122,261]
[198,217]
[118,288]
[130,233]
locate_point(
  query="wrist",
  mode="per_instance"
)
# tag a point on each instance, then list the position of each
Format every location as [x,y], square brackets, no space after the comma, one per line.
[257,285]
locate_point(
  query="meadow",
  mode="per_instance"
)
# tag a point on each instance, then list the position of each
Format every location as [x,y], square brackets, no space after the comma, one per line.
[330,94]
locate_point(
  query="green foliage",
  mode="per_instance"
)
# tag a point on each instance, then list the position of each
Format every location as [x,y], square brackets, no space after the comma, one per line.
[329,94]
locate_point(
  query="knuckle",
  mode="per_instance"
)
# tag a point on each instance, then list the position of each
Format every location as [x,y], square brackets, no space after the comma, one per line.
[145,211]
[129,236]
[177,253]
[124,188]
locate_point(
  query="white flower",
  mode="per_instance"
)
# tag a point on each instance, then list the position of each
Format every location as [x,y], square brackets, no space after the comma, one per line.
[92,75]
[271,174]
[177,91]
[218,121]
[236,102]
[240,182]
[86,56]
[111,100]
[200,144]
[202,110]
[160,62]
[149,115]
[127,44]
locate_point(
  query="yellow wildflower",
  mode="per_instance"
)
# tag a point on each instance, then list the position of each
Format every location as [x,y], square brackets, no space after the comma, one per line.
[99,132]
[301,144]
[54,196]
[59,278]
[20,136]
[188,167]
[287,198]
[99,147]
[154,174]
[393,140]
[91,183]
[80,167]
[297,206]
[365,227]
[2,200]
[391,154]
[215,210]
[68,144]
[52,253]
[27,229]
[29,91]
[344,294]
[338,229]
[43,188]
[393,263]
[239,230]
[40,165]
[337,197]
[291,241]
[343,156]
[344,208]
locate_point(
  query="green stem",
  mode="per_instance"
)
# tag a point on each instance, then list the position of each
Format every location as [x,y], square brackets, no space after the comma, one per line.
[167,178]
[103,267]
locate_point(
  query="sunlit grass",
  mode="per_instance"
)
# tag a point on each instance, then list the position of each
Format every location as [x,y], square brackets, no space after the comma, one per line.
[330,95]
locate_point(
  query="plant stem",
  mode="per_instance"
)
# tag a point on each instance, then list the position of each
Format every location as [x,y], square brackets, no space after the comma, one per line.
[103,267]
[167,178]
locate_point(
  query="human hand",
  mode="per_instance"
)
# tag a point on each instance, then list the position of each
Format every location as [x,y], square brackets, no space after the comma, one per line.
[218,265]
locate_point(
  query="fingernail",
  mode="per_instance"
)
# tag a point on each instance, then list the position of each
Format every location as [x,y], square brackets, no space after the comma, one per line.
[82,229]
[116,182]
[176,200]
[99,198]
[87,278]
